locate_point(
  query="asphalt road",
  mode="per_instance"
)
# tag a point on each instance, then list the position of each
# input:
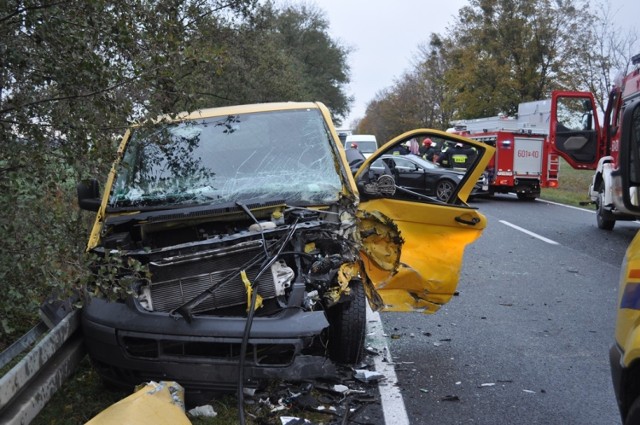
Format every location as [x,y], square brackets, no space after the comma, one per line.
[527,339]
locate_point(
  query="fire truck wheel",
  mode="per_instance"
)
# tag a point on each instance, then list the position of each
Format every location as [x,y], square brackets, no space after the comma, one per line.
[603,217]
[348,326]
[444,189]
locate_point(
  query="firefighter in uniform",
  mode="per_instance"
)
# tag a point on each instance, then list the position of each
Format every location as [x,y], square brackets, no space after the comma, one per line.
[457,156]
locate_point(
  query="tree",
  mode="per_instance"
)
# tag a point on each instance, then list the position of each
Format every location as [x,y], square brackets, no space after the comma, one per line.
[75,73]
[420,98]
[503,52]
[605,56]
[295,41]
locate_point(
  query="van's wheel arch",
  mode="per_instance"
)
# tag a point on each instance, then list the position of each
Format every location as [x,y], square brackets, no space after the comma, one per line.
[347,326]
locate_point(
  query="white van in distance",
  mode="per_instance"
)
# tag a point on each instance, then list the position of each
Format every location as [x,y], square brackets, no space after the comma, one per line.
[365,143]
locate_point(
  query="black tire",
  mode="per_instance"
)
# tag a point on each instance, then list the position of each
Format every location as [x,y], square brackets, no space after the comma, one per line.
[633,415]
[348,326]
[603,217]
[444,190]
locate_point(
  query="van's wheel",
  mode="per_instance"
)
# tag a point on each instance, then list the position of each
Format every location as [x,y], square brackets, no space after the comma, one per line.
[603,217]
[444,189]
[347,326]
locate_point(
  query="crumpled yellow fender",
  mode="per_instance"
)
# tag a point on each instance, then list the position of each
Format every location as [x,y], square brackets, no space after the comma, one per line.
[157,403]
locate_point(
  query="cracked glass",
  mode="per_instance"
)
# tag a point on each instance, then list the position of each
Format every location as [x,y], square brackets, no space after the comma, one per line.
[253,156]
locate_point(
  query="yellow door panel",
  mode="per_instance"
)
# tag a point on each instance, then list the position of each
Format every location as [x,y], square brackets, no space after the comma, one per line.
[431,256]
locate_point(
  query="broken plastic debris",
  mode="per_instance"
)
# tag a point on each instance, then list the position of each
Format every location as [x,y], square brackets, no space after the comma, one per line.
[487,384]
[424,390]
[290,420]
[529,391]
[340,388]
[156,403]
[367,375]
[205,411]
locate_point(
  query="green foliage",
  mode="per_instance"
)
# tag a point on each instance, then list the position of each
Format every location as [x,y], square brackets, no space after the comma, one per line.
[496,55]
[113,275]
[503,52]
[573,186]
[75,74]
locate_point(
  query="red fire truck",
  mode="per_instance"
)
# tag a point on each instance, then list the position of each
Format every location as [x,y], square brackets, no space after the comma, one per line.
[524,160]
[605,190]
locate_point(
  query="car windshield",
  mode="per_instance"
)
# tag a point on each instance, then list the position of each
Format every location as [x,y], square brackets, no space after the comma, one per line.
[283,154]
[416,159]
[367,147]
[423,162]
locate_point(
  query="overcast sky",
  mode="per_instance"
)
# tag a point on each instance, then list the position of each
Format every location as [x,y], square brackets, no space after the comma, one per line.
[384,37]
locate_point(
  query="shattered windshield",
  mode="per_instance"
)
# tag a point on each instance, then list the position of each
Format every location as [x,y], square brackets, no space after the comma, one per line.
[286,154]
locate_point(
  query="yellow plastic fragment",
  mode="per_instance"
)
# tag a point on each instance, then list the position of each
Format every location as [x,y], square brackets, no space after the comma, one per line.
[247,285]
[346,273]
[157,403]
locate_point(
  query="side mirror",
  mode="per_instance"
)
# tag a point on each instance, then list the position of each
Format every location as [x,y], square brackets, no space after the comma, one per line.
[384,186]
[630,157]
[89,195]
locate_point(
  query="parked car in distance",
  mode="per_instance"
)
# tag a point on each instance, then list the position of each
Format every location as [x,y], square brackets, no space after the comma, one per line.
[418,175]
[365,143]
[246,248]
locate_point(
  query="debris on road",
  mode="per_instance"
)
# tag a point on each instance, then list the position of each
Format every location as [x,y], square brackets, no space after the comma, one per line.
[364,375]
[487,384]
[204,411]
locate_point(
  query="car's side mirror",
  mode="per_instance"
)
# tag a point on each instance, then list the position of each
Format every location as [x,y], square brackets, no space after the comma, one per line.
[630,157]
[89,195]
[383,186]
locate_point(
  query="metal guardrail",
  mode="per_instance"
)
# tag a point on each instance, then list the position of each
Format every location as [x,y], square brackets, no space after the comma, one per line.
[22,344]
[31,383]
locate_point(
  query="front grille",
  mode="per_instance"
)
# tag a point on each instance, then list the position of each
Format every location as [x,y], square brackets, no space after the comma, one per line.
[179,279]
[276,354]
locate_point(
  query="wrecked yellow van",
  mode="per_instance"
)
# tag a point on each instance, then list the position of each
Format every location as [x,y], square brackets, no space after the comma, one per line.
[258,244]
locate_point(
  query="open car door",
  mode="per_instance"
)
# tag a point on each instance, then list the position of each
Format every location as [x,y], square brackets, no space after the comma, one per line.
[435,232]
[574,132]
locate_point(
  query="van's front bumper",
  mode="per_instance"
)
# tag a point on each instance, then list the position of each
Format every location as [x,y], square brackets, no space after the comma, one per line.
[129,346]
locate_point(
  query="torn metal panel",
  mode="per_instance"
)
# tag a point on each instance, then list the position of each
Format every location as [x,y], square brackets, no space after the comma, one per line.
[431,255]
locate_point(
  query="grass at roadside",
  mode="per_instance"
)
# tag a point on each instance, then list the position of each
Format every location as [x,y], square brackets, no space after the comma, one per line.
[573,186]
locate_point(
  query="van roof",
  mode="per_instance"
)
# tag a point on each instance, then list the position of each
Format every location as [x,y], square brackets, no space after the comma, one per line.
[361,138]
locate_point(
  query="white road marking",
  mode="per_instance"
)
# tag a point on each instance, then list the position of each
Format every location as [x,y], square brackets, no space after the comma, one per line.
[390,397]
[578,208]
[566,206]
[535,235]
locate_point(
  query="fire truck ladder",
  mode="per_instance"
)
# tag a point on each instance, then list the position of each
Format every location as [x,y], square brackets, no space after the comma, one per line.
[553,168]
